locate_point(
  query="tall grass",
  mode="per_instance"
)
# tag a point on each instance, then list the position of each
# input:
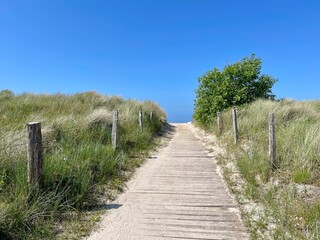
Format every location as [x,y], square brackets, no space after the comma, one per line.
[78,155]
[292,190]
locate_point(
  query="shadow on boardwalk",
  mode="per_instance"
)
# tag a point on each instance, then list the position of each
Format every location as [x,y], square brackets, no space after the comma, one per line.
[168,130]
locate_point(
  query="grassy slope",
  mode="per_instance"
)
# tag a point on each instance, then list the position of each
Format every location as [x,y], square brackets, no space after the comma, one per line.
[290,193]
[78,155]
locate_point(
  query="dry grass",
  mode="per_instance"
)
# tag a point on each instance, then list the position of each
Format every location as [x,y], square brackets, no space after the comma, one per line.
[290,193]
[78,155]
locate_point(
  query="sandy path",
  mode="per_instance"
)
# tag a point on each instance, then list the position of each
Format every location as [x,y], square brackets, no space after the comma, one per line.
[177,194]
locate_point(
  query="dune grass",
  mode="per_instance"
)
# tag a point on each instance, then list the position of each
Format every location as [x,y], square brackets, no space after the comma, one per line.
[291,192]
[78,155]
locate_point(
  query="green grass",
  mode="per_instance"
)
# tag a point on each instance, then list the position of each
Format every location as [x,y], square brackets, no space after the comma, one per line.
[301,176]
[79,158]
[296,213]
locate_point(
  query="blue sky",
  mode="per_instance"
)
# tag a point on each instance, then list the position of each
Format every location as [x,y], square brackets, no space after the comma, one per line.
[155,49]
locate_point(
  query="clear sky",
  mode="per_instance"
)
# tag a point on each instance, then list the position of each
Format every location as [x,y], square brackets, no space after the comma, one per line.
[155,49]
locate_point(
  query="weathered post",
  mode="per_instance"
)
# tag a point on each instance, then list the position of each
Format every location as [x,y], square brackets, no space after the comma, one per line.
[272,142]
[235,125]
[151,116]
[35,156]
[115,130]
[219,121]
[140,121]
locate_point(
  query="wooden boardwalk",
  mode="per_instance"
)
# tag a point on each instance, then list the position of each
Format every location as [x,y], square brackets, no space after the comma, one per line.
[176,195]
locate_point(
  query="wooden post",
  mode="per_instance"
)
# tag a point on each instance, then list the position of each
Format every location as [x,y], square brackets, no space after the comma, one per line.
[151,116]
[235,125]
[272,142]
[219,121]
[35,156]
[115,130]
[140,121]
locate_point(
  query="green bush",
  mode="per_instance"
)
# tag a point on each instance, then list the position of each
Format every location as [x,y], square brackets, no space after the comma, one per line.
[236,84]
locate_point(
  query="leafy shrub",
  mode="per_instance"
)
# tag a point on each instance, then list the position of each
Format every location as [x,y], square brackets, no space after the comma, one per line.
[236,84]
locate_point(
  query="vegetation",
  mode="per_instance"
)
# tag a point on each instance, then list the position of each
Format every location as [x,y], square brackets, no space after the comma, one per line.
[290,194]
[236,84]
[79,158]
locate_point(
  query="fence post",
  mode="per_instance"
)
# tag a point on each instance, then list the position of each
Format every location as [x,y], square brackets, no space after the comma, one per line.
[272,141]
[235,125]
[140,121]
[35,156]
[115,130]
[219,121]
[151,116]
